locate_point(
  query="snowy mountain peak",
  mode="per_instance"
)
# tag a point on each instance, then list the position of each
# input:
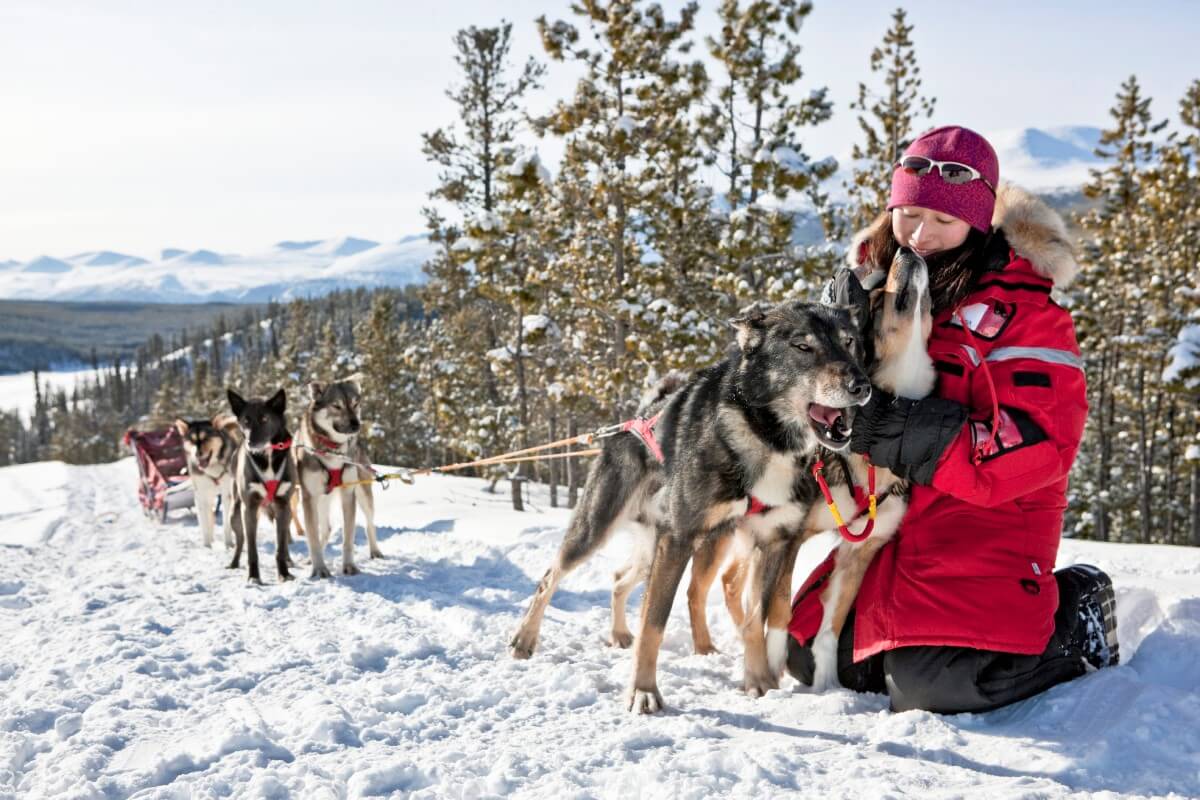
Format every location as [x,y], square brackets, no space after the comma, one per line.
[48,265]
[294,268]
[106,258]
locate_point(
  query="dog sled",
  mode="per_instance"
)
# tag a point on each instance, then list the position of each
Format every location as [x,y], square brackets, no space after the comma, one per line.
[163,481]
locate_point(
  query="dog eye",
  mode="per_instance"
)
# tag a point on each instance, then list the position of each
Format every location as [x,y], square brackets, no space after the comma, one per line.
[803,347]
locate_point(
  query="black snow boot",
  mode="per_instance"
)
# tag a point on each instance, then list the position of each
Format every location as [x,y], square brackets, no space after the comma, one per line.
[1088,607]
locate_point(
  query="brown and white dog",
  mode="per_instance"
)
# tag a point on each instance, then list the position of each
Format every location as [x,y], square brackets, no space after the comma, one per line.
[330,460]
[901,321]
[211,447]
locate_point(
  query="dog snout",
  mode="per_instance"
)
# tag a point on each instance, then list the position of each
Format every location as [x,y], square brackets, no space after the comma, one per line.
[859,387]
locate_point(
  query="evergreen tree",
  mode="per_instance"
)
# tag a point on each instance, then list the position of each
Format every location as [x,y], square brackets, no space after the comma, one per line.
[888,114]
[754,131]
[464,276]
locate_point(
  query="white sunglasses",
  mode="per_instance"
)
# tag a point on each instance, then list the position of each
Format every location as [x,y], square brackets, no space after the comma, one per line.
[951,172]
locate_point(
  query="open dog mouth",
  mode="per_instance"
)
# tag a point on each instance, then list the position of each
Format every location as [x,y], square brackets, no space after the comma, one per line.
[830,425]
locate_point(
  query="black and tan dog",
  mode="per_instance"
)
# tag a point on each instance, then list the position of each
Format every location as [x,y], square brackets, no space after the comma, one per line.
[211,447]
[332,461]
[738,442]
[264,477]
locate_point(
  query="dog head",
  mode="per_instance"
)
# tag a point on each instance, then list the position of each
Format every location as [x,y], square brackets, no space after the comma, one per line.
[334,409]
[901,309]
[259,421]
[896,316]
[804,362]
[202,442]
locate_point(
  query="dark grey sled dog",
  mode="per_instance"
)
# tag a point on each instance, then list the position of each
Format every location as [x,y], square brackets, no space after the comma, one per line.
[264,477]
[740,437]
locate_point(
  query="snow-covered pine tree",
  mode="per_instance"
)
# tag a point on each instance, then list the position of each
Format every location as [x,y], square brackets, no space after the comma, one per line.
[473,153]
[395,429]
[887,117]
[754,130]
[1170,198]
[626,52]
[1110,304]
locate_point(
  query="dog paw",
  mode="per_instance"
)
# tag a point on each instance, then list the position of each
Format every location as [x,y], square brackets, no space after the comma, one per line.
[349,569]
[377,553]
[706,649]
[621,639]
[521,647]
[320,572]
[284,577]
[759,685]
[645,701]
[233,565]
[257,581]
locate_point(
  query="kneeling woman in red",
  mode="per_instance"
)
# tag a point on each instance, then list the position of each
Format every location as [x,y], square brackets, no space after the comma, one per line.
[963,611]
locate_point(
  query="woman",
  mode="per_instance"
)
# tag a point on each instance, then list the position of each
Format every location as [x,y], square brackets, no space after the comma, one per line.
[962,611]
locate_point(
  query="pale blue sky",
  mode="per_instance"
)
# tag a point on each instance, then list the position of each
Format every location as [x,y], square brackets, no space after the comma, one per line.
[135,125]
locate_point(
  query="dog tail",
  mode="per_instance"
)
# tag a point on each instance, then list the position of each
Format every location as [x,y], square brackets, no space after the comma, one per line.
[617,476]
[661,389]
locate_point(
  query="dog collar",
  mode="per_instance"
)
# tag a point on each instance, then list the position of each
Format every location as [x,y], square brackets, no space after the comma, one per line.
[284,445]
[326,442]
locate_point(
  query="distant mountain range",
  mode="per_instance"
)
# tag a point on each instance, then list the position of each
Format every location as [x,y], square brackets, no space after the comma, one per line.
[285,271]
[1052,161]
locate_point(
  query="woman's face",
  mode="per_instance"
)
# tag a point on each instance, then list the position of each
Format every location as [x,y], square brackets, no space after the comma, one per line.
[927,231]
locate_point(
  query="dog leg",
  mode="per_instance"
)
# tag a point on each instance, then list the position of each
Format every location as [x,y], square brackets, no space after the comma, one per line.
[227,515]
[366,499]
[250,525]
[348,515]
[838,596]
[606,496]
[757,679]
[636,570]
[316,551]
[234,518]
[323,514]
[733,584]
[706,561]
[779,615]
[205,510]
[283,521]
[670,560]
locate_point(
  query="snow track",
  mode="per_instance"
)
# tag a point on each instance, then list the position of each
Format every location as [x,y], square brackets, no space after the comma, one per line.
[133,664]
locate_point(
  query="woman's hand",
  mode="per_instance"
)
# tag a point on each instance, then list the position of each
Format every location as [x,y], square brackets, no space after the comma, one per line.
[906,436]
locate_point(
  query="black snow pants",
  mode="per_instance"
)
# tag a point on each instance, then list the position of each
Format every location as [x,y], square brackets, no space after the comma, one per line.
[951,680]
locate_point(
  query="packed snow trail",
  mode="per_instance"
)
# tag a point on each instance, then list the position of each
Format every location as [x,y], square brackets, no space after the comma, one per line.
[134,664]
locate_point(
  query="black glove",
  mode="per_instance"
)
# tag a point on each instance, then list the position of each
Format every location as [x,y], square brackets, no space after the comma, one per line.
[906,436]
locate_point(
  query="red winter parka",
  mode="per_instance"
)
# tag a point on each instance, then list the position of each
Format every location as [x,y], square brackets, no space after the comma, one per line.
[972,563]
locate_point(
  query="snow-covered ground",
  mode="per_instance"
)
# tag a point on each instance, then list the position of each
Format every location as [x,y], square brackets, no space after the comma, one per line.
[135,665]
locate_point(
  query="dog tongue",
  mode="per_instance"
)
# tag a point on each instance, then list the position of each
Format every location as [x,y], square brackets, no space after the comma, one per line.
[824,414]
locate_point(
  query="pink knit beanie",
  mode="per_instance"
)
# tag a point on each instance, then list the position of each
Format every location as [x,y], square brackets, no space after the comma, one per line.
[971,202]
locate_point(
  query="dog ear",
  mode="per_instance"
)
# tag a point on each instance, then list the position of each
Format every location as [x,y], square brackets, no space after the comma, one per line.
[236,402]
[315,390]
[355,381]
[278,402]
[181,426]
[751,328]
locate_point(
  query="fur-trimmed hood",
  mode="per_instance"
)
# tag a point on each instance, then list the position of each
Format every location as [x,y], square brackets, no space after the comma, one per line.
[1033,230]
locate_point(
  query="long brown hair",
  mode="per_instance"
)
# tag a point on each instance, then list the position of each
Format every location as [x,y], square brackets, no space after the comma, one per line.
[952,273]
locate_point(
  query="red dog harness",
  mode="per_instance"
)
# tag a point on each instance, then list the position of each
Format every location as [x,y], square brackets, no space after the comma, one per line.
[273,485]
[335,475]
